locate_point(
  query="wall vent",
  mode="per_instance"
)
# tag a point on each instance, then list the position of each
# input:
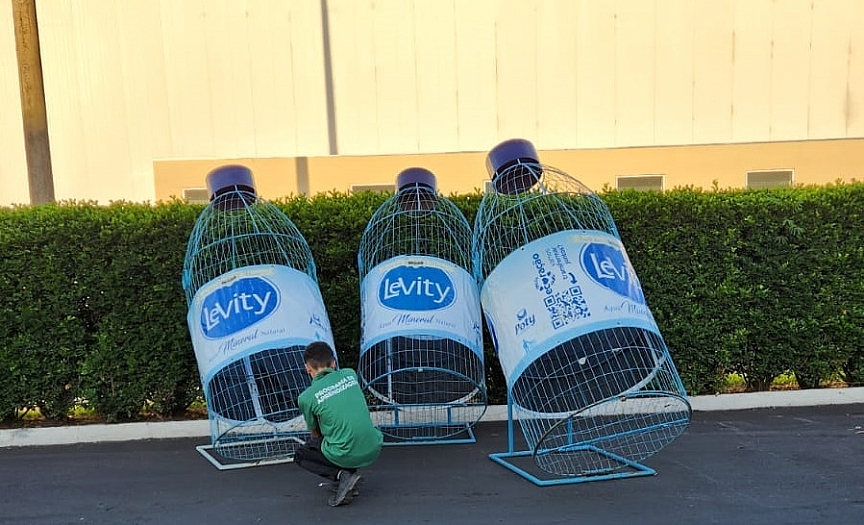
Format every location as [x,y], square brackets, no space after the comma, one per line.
[196,195]
[778,178]
[378,188]
[640,182]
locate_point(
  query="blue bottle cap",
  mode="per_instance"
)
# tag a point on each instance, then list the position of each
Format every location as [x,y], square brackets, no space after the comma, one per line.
[416,190]
[230,177]
[502,158]
[415,177]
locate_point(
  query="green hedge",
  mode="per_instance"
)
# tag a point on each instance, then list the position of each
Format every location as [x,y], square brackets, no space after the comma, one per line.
[759,283]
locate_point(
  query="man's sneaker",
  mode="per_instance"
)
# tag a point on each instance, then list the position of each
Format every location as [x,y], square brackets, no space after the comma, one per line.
[333,485]
[353,494]
[345,490]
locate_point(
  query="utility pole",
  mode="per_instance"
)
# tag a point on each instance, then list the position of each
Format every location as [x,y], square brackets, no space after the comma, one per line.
[36,146]
[328,79]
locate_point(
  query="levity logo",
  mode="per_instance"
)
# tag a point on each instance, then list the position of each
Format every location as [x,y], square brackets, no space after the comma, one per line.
[609,267]
[416,288]
[236,306]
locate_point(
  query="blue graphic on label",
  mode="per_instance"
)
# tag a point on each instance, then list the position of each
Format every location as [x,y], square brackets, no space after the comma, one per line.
[252,309]
[524,321]
[237,305]
[420,296]
[608,266]
[556,288]
[417,288]
[545,279]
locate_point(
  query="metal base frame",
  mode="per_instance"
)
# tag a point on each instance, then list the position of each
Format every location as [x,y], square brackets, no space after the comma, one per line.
[637,469]
[208,451]
[426,439]
[210,454]
[502,458]
[464,434]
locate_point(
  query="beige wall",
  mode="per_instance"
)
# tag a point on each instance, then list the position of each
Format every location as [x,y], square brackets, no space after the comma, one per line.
[813,162]
[274,177]
[131,83]
[13,163]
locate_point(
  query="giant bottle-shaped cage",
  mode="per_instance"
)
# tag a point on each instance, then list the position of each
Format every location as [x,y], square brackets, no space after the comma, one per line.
[421,354]
[589,377]
[254,304]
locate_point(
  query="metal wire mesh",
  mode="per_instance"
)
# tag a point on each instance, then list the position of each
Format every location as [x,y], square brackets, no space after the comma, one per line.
[421,356]
[599,382]
[240,229]
[252,379]
[557,202]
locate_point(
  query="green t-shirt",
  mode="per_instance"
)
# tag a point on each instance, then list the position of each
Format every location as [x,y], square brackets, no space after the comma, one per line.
[334,404]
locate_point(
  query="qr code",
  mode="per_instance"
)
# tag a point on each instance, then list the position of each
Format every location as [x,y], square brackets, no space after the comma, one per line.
[566,306]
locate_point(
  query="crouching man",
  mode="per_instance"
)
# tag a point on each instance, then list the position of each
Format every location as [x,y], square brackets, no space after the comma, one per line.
[343,438]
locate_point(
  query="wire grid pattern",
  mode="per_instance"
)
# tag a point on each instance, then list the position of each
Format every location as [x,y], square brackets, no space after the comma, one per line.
[615,389]
[420,386]
[558,202]
[556,398]
[252,402]
[240,229]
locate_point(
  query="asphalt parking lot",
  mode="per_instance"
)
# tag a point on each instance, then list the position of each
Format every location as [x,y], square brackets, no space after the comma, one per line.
[798,465]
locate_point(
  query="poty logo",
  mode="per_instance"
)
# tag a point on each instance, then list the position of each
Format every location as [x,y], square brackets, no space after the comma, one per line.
[239,305]
[524,321]
[416,288]
[609,267]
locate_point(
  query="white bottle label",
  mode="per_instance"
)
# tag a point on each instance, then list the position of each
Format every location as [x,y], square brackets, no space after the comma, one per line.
[252,309]
[557,288]
[420,295]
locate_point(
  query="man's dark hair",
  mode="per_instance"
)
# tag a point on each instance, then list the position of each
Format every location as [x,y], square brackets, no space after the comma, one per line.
[318,354]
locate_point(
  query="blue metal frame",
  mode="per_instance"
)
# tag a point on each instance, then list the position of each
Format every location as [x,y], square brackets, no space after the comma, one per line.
[636,469]
[468,429]
[425,440]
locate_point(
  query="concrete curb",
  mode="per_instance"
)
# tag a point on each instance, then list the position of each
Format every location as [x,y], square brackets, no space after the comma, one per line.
[67,435]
